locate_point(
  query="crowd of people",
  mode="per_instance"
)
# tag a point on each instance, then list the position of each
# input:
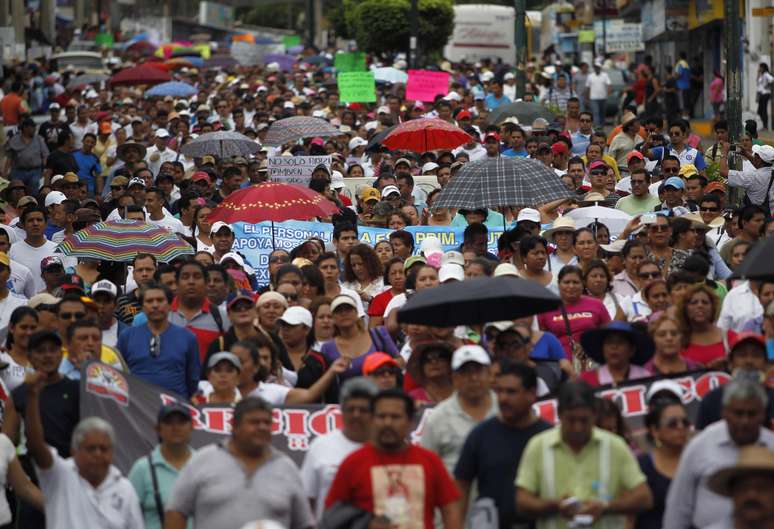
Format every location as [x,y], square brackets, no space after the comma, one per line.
[651,298]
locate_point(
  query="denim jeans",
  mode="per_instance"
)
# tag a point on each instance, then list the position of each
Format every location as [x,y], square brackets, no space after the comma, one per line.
[598,111]
[30,177]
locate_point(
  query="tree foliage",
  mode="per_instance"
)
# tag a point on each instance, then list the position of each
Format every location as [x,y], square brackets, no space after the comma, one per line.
[383,26]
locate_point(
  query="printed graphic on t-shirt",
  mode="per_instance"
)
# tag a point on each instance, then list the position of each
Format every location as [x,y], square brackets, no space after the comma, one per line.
[399,494]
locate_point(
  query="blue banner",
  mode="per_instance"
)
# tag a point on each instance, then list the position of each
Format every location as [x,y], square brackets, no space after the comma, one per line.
[254,241]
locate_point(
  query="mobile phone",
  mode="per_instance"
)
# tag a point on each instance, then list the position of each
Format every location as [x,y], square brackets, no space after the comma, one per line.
[648,218]
[581,521]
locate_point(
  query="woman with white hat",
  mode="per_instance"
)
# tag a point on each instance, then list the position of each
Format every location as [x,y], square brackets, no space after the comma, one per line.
[560,233]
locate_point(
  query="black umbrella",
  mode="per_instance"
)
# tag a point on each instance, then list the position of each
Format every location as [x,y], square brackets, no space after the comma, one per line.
[376,141]
[757,263]
[478,300]
[502,181]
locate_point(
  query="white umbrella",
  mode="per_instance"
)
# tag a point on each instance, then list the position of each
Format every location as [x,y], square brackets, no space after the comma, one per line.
[615,219]
[390,75]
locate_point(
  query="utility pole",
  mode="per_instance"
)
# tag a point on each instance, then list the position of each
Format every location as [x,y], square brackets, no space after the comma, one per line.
[733,45]
[413,23]
[520,43]
[311,22]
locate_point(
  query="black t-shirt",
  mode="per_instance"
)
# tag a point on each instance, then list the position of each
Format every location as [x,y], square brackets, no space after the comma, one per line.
[491,455]
[59,411]
[61,162]
[51,131]
[659,486]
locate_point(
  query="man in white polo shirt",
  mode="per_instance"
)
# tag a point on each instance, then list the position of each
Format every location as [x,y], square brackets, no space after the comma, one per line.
[84,491]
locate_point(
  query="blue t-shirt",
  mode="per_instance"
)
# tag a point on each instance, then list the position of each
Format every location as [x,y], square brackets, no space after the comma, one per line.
[492,102]
[686,156]
[510,153]
[177,366]
[683,75]
[88,168]
[548,348]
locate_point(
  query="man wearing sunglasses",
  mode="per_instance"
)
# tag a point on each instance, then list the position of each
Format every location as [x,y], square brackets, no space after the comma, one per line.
[678,134]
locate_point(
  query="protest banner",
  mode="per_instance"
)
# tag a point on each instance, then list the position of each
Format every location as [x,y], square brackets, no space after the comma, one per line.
[254,241]
[424,85]
[131,405]
[285,62]
[295,169]
[291,40]
[356,87]
[350,62]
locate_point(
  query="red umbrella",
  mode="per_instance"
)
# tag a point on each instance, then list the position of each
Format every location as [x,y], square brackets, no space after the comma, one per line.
[144,74]
[272,201]
[426,134]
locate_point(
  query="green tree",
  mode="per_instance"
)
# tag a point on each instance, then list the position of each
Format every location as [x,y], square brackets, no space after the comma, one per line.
[383,26]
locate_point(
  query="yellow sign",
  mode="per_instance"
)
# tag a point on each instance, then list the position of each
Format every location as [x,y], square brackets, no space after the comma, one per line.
[763,12]
[702,12]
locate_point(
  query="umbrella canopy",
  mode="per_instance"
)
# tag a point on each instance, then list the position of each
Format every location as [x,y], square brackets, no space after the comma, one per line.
[757,262]
[171,88]
[525,111]
[222,144]
[377,140]
[220,61]
[298,127]
[143,47]
[477,300]
[139,75]
[272,201]
[86,79]
[425,134]
[390,75]
[615,219]
[121,240]
[495,182]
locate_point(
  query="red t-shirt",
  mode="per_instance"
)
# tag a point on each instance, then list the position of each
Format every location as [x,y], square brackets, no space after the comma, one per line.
[588,313]
[379,303]
[375,481]
[704,354]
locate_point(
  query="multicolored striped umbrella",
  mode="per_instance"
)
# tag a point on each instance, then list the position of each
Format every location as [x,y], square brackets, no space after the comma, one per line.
[121,240]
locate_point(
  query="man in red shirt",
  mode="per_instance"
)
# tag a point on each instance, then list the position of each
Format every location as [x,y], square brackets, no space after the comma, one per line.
[400,483]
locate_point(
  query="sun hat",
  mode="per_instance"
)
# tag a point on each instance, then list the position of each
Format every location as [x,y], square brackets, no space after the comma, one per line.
[562,223]
[592,342]
[753,459]
[415,361]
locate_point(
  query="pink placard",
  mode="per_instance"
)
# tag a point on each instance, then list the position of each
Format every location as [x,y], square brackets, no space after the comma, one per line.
[424,85]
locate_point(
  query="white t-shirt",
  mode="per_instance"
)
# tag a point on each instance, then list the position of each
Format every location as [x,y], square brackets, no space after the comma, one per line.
[13,375]
[395,303]
[110,335]
[7,453]
[274,394]
[7,306]
[21,280]
[71,501]
[31,257]
[321,464]
[597,85]
[170,223]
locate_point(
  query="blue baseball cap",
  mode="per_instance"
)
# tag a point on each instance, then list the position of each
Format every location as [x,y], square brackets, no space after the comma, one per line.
[675,181]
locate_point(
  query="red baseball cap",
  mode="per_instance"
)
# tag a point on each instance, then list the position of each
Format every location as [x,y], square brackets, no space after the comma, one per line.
[559,148]
[735,338]
[634,154]
[464,114]
[200,175]
[376,360]
[599,164]
[493,135]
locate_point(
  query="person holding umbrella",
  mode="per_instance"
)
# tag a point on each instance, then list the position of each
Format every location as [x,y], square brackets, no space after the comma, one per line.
[620,349]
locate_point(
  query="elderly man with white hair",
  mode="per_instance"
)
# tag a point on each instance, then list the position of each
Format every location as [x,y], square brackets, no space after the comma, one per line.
[84,491]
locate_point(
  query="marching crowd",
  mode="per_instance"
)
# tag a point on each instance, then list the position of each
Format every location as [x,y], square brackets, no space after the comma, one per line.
[654,295]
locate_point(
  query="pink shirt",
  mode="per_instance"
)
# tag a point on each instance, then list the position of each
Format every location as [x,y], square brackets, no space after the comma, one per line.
[716,88]
[588,313]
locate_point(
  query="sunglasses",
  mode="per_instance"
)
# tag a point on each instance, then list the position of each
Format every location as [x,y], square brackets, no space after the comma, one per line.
[710,210]
[385,372]
[598,173]
[670,170]
[290,297]
[649,275]
[676,422]
[658,228]
[72,315]
[279,259]
[155,346]
[241,307]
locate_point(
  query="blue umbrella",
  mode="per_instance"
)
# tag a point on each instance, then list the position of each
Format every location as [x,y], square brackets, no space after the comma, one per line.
[171,88]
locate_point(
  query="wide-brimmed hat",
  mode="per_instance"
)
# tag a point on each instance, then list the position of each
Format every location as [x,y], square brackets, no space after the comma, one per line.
[414,364]
[627,118]
[121,151]
[753,459]
[592,342]
[561,223]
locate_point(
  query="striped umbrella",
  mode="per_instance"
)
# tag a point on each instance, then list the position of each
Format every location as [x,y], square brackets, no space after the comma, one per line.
[296,128]
[121,240]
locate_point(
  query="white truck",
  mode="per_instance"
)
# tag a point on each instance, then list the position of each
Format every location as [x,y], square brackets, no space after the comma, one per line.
[482,31]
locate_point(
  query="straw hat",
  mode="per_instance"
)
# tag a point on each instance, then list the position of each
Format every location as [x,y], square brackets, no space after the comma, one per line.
[753,459]
[561,223]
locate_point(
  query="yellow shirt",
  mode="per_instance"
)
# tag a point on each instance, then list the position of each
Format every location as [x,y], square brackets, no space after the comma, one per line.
[107,355]
[550,469]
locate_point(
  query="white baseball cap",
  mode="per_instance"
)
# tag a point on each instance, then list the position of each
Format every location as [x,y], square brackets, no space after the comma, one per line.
[509,76]
[238,259]
[429,166]
[453,257]
[337,180]
[766,152]
[506,269]
[430,244]
[356,142]
[528,214]
[342,299]
[54,198]
[56,178]
[383,110]
[451,272]
[665,385]
[297,316]
[388,190]
[218,226]
[162,133]
[470,353]
[104,286]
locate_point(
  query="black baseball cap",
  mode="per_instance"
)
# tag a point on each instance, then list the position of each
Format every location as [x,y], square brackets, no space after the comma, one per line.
[40,337]
[171,409]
